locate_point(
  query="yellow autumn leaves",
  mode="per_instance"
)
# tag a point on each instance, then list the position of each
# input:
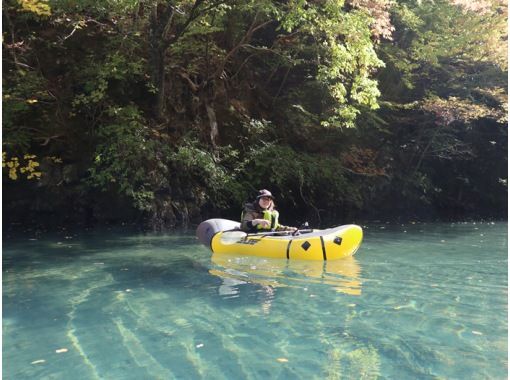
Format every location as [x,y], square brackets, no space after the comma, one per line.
[26,166]
[39,7]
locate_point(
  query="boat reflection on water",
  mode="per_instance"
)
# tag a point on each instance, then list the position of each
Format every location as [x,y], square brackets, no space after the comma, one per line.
[343,275]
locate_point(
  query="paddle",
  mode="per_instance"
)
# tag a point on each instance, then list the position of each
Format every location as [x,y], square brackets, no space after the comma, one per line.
[232,237]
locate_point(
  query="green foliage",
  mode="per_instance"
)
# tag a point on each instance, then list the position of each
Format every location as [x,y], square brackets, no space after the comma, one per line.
[131,162]
[126,158]
[189,107]
[440,48]
[318,182]
[345,54]
[97,79]
[205,174]
[96,7]
[445,83]
[25,108]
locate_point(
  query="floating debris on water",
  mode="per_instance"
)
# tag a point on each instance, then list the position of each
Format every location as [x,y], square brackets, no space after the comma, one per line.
[410,305]
[181,322]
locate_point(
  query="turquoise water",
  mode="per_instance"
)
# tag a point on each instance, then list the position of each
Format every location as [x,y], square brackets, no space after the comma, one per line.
[418,301]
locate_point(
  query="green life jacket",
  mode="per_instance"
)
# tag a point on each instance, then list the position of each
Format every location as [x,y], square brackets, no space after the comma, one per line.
[272,217]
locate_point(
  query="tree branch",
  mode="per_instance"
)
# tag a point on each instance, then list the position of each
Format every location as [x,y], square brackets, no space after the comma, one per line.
[243,43]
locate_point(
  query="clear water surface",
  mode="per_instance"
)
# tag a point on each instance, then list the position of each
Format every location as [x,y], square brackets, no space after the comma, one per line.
[418,301]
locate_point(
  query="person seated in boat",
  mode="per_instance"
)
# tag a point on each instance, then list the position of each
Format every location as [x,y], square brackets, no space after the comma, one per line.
[260,215]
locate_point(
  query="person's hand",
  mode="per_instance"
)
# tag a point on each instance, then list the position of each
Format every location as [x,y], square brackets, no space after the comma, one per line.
[294,231]
[260,222]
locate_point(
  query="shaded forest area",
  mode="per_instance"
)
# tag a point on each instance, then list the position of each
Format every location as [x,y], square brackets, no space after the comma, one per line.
[164,113]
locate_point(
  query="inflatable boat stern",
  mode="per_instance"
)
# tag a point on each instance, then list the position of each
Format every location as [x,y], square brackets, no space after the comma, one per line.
[207,229]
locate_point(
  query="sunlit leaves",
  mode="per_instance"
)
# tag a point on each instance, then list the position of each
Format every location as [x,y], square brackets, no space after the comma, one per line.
[443,31]
[443,48]
[458,110]
[17,167]
[345,53]
[38,7]
[381,25]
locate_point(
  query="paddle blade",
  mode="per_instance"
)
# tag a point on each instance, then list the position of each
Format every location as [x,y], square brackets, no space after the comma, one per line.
[232,237]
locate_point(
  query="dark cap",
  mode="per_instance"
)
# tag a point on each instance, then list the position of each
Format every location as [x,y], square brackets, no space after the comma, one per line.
[264,193]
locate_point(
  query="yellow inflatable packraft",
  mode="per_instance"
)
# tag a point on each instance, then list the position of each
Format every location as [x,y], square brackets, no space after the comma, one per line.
[223,236]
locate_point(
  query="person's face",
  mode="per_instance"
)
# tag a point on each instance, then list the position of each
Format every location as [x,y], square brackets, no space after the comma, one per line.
[265,202]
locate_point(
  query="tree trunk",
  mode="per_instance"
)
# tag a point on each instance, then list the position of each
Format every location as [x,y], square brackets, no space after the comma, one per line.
[157,67]
[160,106]
[211,114]
[158,45]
